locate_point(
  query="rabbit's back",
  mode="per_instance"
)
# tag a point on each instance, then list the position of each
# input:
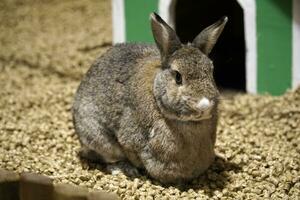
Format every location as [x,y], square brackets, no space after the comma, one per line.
[105,85]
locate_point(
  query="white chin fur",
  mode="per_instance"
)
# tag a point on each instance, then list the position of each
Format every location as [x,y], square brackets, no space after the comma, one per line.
[203,103]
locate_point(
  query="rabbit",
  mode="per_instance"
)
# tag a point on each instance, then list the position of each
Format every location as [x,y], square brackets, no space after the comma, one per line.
[151,107]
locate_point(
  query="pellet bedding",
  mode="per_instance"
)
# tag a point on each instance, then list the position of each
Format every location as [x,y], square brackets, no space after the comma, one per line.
[47,46]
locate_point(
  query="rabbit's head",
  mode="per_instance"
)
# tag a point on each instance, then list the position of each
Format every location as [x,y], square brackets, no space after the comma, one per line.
[184,88]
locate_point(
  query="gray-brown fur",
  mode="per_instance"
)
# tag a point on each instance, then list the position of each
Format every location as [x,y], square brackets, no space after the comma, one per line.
[129,108]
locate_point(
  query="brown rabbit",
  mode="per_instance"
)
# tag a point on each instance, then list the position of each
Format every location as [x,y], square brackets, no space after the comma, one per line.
[155,108]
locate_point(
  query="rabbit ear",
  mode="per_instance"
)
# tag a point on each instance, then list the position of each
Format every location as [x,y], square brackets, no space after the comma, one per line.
[207,39]
[164,36]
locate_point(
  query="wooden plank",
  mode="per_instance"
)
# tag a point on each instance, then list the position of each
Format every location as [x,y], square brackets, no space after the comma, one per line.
[274,37]
[137,14]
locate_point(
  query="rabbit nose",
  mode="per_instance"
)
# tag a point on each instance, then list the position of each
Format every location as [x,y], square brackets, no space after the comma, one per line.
[204,104]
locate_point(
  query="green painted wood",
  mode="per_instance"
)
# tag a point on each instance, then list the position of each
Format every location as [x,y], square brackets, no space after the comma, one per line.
[274,46]
[137,22]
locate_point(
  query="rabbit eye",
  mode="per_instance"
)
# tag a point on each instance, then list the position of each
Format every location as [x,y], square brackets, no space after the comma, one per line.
[178,78]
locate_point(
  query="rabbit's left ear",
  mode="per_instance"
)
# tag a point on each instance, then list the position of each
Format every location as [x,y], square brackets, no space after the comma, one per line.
[207,39]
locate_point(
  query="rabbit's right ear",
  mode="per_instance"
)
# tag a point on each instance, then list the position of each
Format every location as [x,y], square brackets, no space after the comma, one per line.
[164,36]
[207,39]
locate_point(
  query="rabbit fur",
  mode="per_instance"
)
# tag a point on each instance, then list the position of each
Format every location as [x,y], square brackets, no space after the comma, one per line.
[152,107]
